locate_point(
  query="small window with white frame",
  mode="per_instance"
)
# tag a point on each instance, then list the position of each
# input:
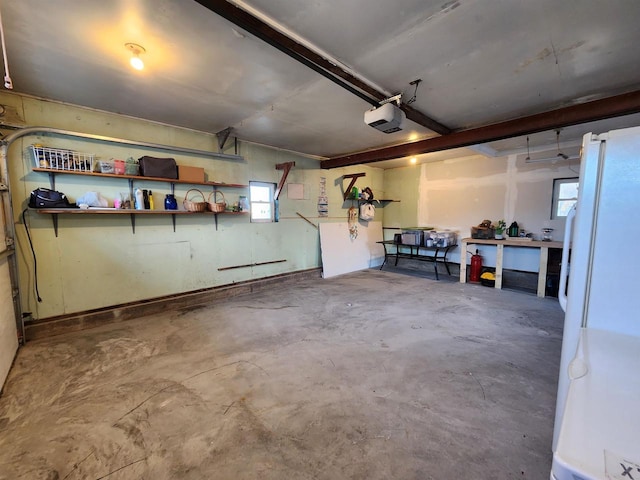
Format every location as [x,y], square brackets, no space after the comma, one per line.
[262,201]
[565,195]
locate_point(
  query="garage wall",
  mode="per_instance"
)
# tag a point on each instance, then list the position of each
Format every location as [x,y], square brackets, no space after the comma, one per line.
[459,193]
[96,261]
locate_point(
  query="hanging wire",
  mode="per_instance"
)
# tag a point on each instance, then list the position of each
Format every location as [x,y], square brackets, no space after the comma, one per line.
[560,154]
[528,154]
[415,92]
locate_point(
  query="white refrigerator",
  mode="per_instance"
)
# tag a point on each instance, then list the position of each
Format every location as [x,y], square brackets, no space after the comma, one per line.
[597,424]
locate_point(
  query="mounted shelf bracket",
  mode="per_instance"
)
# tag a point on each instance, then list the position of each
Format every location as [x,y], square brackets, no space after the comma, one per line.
[223,136]
[286,167]
[54,219]
[353,177]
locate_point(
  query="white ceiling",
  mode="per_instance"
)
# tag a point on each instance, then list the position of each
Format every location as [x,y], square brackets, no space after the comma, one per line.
[481,62]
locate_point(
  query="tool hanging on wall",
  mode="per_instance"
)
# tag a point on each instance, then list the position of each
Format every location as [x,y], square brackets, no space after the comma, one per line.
[353,223]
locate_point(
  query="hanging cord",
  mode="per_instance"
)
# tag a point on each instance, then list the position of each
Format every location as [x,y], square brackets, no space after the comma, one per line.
[35,263]
[8,84]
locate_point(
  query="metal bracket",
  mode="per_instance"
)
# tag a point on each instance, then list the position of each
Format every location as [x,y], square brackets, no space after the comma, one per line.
[286,167]
[9,242]
[223,136]
[3,188]
[396,98]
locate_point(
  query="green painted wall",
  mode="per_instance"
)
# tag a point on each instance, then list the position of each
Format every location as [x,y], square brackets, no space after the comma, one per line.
[96,261]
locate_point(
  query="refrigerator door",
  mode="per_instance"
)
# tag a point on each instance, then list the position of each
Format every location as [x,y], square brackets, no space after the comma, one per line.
[577,287]
[597,418]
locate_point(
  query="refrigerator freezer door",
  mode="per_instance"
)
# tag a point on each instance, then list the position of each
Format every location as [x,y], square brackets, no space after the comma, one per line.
[612,295]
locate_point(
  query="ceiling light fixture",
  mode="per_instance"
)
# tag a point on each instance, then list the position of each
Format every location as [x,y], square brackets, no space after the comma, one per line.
[135,49]
[414,159]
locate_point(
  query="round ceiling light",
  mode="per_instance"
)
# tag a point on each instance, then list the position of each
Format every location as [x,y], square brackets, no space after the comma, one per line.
[135,49]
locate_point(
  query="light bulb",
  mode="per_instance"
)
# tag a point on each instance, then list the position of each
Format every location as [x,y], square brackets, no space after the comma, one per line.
[135,49]
[136,62]
[414,159]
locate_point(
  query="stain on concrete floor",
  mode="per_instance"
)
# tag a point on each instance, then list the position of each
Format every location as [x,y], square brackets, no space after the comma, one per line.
[371,375]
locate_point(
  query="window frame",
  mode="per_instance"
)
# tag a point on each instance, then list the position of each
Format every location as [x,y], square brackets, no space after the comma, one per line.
[272,202]
[556,199]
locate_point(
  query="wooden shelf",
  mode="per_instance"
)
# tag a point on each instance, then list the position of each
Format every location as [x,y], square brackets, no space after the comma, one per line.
[138,177]
[55,212]
[114,211]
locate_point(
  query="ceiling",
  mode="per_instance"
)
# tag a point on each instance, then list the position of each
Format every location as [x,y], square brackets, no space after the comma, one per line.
[480,62]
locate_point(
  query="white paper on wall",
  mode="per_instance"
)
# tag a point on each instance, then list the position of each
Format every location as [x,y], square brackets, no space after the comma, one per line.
[295,191]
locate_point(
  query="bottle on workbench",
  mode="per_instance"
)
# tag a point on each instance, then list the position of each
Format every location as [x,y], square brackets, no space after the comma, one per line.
[514,231]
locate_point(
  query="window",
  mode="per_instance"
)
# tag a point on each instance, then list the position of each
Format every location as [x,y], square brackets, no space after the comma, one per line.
[262,202]
[565,194]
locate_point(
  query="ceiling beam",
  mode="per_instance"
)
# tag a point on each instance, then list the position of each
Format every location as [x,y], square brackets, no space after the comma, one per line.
[624,104]
[313,60]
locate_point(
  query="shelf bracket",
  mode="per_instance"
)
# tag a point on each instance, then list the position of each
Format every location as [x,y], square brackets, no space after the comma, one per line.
[131,196]
[173,220]
[133,222]
[52,181]
[215,216]
[353,177]
[286,167]
[223,136]
[54,219]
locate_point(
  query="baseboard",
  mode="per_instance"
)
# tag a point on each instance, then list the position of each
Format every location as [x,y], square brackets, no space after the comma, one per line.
[60,325]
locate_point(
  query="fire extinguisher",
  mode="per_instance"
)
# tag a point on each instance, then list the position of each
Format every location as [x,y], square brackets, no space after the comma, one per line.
[476,267]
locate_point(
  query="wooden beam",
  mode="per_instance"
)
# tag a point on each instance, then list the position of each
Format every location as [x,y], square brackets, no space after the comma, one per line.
[313,60]
[624,104]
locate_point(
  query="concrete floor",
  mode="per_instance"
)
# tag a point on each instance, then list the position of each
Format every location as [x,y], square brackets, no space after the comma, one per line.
[371,375]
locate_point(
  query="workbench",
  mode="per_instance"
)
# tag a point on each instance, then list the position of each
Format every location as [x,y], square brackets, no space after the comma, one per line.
[500,246]
[417,252]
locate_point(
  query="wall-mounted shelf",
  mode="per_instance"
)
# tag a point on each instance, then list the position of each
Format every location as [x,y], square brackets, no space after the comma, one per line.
[54,212]
[52,173]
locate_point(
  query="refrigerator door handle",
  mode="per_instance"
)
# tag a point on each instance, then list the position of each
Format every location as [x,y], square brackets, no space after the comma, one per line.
[564,266]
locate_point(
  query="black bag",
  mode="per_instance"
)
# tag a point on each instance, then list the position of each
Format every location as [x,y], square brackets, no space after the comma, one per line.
[45,198]
[158,167]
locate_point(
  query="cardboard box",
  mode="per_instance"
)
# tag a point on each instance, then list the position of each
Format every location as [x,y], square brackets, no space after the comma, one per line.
[190,174]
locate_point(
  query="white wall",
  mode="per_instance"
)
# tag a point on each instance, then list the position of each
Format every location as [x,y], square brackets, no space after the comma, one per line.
[460,193]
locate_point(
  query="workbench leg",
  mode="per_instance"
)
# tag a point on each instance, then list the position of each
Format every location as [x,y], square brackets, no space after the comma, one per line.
[463,262]
[542,271]
[499,254]
[385,256]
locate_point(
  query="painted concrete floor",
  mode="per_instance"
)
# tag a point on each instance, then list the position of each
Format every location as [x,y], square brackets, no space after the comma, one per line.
[371,375]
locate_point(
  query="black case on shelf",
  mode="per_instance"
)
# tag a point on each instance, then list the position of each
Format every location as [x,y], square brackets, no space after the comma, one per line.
[158,167]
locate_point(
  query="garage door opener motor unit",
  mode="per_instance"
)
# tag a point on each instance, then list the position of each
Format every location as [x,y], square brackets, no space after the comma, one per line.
[387,118]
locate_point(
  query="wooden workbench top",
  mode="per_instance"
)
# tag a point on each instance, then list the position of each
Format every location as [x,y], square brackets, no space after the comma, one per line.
[513,243]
